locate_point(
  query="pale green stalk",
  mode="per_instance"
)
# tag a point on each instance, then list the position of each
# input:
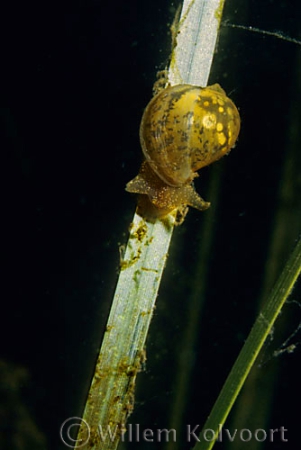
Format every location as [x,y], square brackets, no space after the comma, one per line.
[111,395]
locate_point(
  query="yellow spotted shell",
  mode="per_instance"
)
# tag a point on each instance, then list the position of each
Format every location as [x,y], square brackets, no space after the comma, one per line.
[183,129]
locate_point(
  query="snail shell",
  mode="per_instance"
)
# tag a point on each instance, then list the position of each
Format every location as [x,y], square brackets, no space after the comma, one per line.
[183,129]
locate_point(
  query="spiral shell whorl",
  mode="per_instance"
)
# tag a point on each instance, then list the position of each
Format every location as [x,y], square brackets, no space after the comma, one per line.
[185,128]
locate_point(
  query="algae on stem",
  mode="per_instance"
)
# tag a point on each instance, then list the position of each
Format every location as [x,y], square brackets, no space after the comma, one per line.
[111,396]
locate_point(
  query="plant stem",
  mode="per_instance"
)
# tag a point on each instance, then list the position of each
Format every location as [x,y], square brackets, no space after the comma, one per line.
[111,395]
[239,372]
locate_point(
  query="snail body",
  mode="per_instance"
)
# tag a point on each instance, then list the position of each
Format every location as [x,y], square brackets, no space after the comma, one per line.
[183,129]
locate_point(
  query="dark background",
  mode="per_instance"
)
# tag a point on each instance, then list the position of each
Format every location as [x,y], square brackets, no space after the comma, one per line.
[75,79]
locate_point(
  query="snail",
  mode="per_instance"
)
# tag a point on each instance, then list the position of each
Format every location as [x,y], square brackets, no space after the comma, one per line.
[183,129]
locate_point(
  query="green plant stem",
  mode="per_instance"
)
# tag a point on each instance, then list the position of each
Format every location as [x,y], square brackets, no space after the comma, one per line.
[111,396]
[261,329]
